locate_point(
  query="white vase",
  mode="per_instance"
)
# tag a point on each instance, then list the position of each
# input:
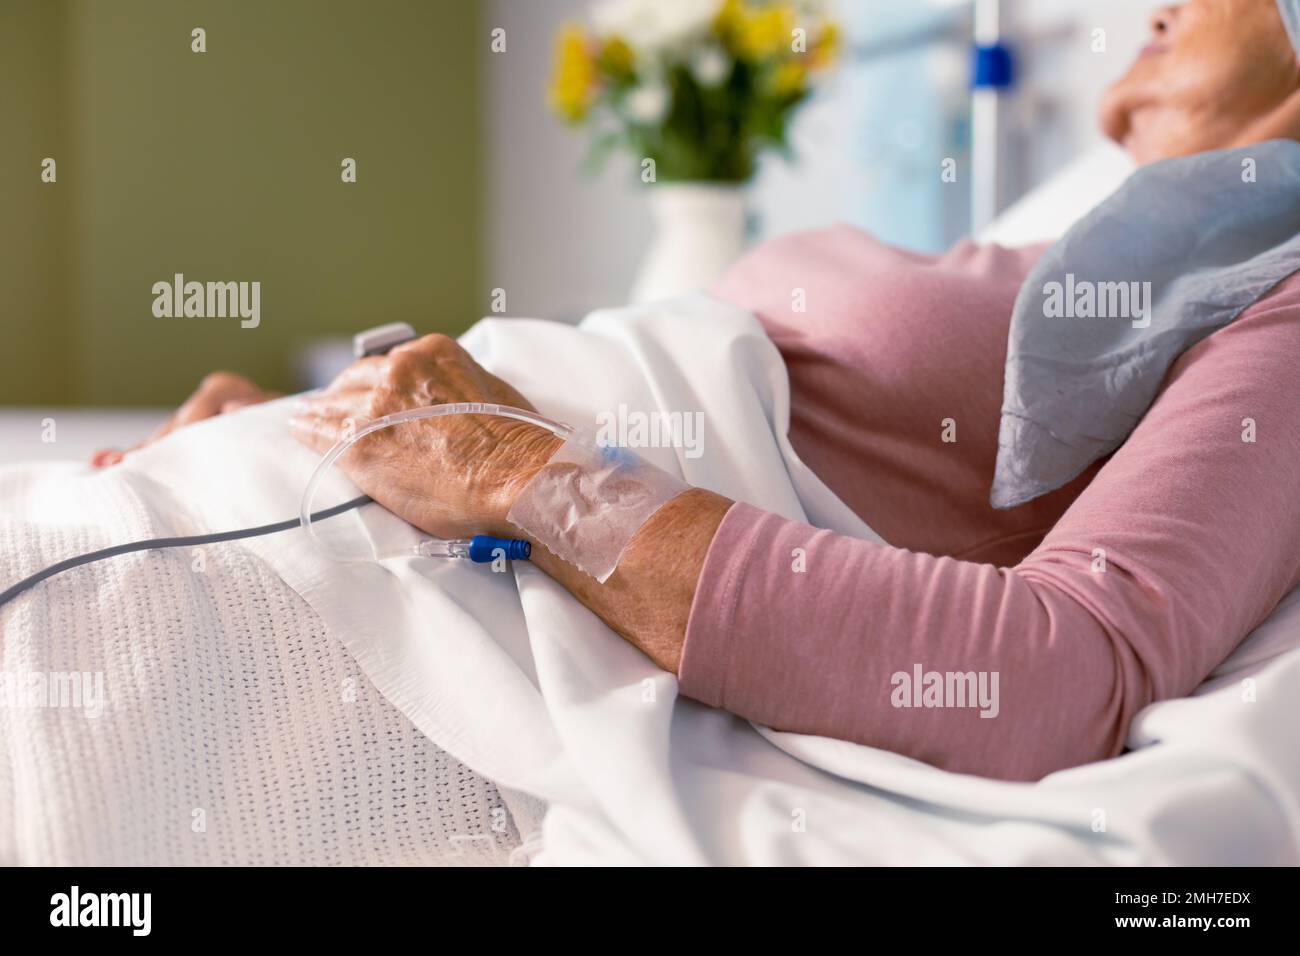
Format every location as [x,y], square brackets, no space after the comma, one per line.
[699,232]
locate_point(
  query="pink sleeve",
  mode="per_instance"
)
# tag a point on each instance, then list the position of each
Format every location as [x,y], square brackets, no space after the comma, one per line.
[1183,543]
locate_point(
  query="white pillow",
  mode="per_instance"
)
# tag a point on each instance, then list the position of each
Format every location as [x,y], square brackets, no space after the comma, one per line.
[1046,212]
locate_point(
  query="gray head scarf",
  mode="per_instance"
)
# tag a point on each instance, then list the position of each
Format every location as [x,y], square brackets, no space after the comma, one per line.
[1180,250]
[1291,17]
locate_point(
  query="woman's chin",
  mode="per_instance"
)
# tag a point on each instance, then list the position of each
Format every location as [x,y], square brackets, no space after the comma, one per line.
[1140,150]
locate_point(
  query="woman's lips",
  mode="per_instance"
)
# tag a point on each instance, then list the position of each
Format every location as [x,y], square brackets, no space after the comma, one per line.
[1153,48]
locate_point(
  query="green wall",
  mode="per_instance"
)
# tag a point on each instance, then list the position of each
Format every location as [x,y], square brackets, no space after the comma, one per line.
[35,363]
[225,165]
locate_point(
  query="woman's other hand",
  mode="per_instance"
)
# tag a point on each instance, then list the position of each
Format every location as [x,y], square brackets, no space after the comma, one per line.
[453,476]
[218,394]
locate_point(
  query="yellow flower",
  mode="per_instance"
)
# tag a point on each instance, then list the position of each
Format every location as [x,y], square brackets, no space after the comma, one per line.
[573,83]
[730,19]
[616,58]
[826,48]
[788,78]
[766,31]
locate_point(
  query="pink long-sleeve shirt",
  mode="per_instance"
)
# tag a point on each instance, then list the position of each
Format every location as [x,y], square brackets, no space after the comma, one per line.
[1128,586]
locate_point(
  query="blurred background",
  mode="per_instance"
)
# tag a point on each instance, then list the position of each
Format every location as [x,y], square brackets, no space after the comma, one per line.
[470,196]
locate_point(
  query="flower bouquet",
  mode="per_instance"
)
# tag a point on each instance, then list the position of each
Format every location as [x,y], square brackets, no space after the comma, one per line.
[696,90]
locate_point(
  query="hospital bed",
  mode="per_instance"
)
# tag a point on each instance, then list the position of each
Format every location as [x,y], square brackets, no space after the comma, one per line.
[508,676]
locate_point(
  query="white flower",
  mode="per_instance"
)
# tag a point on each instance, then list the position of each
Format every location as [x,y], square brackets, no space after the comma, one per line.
[650,26]
[648,104]
[710,66]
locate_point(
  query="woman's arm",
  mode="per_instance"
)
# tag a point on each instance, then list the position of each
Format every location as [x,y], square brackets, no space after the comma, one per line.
[1182,544]
[649,597]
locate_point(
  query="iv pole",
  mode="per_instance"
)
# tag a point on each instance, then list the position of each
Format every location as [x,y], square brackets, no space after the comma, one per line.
[992,74]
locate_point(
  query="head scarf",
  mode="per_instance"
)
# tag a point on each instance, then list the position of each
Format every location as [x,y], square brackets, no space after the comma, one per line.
[1182,249]
[1291,17]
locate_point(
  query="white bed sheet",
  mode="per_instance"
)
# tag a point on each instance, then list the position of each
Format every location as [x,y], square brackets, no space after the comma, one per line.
[516,679]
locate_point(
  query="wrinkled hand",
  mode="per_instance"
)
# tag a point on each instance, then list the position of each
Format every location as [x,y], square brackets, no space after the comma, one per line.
[453,476]
[220,393]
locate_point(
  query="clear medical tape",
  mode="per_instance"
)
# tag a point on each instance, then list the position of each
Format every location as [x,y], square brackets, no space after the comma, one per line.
[587,502]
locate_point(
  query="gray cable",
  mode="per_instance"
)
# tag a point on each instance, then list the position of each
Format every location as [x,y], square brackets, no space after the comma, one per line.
[151,544]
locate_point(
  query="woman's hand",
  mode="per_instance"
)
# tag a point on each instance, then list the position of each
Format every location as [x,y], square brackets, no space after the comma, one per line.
[453,476]
[218,394]
[458,476]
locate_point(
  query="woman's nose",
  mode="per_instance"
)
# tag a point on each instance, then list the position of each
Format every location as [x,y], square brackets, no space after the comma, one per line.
[1163,20]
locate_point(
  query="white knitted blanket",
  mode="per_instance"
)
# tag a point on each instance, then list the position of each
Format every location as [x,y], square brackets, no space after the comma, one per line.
[188,707]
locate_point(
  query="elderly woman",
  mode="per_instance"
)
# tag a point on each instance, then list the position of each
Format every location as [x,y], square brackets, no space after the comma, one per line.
[1198,529]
